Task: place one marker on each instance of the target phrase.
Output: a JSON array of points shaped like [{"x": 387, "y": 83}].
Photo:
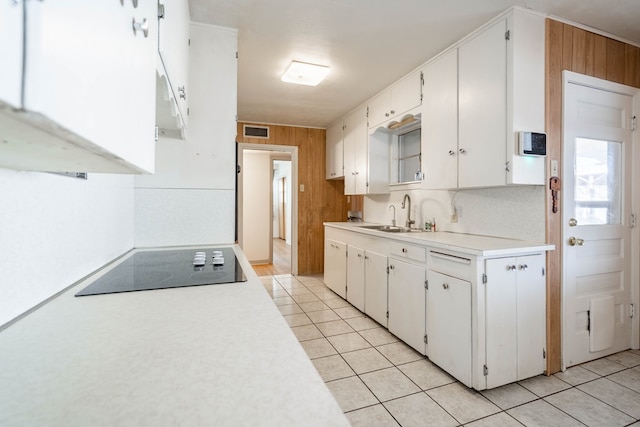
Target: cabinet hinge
[
  {"x": 634, "y": 220},
  {"x": 160, "y": 11},
  {"x": 634, "y": 123},
  {"x": 189, "y": 112},
  {"x": 543, "y": 272},
  {"x": 367, "y": 112},
  {"x": 484, "y": 279},
  {"x": 422, "y": 78},
  {"x": 507, "y": 35},
  {"x": 632, "y": 310},
  {"x": 485, "y": 370},
  {"x": 236, "y": 54},
  {"x": 589, "y": 321},
  {"x": 387, "y": 270},
  {"x": 157, "y": 133},
  {"x": 387, "y": 314},
  {"x": 544, "y": 353},
  {"x": 506, "y": 167},
  {"x": 426, "y": 339}
]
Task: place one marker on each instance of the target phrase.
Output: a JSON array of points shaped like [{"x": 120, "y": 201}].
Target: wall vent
[{"x": 251, "y": 131}]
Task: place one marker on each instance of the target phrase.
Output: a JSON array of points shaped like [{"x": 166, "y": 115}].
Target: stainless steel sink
[{"x": 389, "y": 228}]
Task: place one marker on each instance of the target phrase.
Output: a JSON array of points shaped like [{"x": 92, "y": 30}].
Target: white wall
[
  {"x": 282, "y": 169},
  {"x": 55, "y": 230},
  {"x": 510, "y": 212},
  {"x": 191, "y": 198},
  {"x": 256, "y": 205}
]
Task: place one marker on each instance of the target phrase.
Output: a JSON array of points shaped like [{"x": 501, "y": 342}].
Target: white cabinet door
[
  {"x": 11, "y": 53},
  {"x": 501, "y": 321},
  {"x": 483, "y": 109},
  {"x": 335, "y": 266},
  {"x": 173, "y": 47},
  {"x": 334, "y": 151},
  {"x": 531, "y": 317},
  {"x": 355, "y": 152},
  {"x": 449, "y": 325},
  {"x": 440, "y": 123},
  {"x": 91, "y": 74},
  {"x": 355, "y": 276},
  {"x": 407, "y": 303},
  {"x": 406, "y": 94},
  {"x": 375, "y": 293},
  {"x": 379, "y": 107}
]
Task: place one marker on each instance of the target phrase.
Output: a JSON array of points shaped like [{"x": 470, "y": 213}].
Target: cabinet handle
[
  {"x": 404, "y": 250},
  {"x": 393, "y": 111},
  {"x": 141, "y": 26},
  {"x": 366, "y": 257},
  {"x": 359, "y": 255},
  {"x": 391, "y": 266},
  {"x": 452, "y": 153},
  {"x": 523, "y": 267},
  {"x": 445, "y": 286},
  {"x": 386, "y": 114},
  {"x": 462, "y": 151},
  {"x": 182, "y": 93},
  {"x": 511, "y": 267}
]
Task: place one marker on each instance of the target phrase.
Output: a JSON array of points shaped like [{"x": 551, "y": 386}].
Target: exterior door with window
[{"x": 596, "y": 212}]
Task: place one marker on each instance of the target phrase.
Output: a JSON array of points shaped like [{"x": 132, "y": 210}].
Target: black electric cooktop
[{"x": 160, "y": 269}]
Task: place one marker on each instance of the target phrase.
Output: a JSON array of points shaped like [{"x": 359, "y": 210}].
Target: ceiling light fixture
[{"x": 303, "y": 73}]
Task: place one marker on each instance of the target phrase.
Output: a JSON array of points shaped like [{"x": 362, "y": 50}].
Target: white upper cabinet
[
  {"x": 403, "y": 96},
  {"x": 89, "y": 91},
  {"x": 482, "y": 94},
  {"x": 355, "y": 152},
  {"x": 440, "y": 122},
  {"x": 477, "y": 98},
  {"x": 334, "y": 151},
  {"x": 173, "y": 67},
  {"x": 11, "y": 53}
]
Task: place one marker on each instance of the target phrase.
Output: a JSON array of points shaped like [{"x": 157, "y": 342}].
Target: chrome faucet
[
  {"x": 410, "y": 222},
  {"x": 393, "y": 221}
]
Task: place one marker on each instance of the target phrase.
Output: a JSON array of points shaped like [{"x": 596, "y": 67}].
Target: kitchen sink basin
[{"x": 390, "y": 228}]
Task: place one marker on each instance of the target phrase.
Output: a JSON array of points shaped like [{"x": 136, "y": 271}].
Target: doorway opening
[{"x": 267, "y": 207}]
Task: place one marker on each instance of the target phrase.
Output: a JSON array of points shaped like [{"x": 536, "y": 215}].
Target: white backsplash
[
  {"x": 510, "y": 212},
  {"x": 54, "y": 230}
]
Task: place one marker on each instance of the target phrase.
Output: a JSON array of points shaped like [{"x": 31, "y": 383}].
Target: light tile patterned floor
[{"x": 380, "y": 381}]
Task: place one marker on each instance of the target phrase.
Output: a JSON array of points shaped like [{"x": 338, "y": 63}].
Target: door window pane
[
  {"x": 409, "y": 156},
  {"x": 598, "y": 189}
]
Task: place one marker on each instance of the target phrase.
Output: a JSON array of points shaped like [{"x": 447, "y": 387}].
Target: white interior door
[{"x": 596, "y": 200}]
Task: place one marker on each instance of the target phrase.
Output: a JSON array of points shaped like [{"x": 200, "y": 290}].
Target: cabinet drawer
[
  {"x": 405, "y": 250},
  {"x": 449, "y": 264}
]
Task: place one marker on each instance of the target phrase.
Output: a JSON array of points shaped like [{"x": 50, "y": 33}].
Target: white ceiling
[{"x": 368, "y": 44}]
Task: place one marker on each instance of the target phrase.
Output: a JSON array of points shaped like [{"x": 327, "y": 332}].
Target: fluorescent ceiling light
[{"x": 303, "y": 73}]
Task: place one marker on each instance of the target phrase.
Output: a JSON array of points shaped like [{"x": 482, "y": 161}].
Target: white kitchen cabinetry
[
  {"x": 375, "y": 295},
  {"x": 335, "y": 266},
  {"x": 407, "y": 302},
  {"x": 334, "y": 151},
  {"x": 397, "y": 100},
  {"x": 89, "y": 91},
  {"x": 440, "y": 122},
  {"x": 11, "y": 54},
  {"x": 172, "y": 68},
  {"x": 356, "y": 276},
  {"x": 449, "y": 325},
  {"x": 366, "y": 161},
  {"x": 498, "y": 74},
  {"x": 515, "y": 318}
]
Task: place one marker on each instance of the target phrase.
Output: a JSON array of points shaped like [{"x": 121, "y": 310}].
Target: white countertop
[
  {"x": 196, "y": 356},
  {"x": 464, "y": 243}
]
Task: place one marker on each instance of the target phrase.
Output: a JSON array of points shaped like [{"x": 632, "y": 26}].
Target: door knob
[
  {"x": 573, "y": 241},
  {"x": 573, "y": 222}
]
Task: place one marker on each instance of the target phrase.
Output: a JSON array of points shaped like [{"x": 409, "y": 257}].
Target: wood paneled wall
[
  {"x": 321, "y": 200},
  {"x": 573, "y": 49}
]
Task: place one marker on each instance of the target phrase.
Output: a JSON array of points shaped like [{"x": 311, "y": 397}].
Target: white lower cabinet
[
  {"x": 355, "y": 276},
  {"x": 449, "y": 325},
  {"x": 407, "y": 302},
  {"x": 375, "y": 295},
  {"x": 479, "y": 317},
  {"x": 335, "y": 267},
  {"x": 515, "y": 319}
]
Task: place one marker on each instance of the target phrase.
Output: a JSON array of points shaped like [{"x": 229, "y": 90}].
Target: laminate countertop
[
  {"x": 471, "y": 244},
  {"x": 196, "y": 356}
]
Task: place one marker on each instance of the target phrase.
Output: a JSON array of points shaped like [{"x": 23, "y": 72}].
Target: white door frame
[
  {"x": 596, "y": 83},
  {"x": 294, "y": 194}
]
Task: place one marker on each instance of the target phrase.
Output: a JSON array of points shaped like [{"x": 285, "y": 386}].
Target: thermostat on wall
[{"x": 533, "y": 144}]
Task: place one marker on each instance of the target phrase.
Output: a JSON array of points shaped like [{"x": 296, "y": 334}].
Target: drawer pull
[
  {"x": 511, "y": 267},
  {"x": 445, "y": 286},
  {"x": 523, "y": 267}
]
